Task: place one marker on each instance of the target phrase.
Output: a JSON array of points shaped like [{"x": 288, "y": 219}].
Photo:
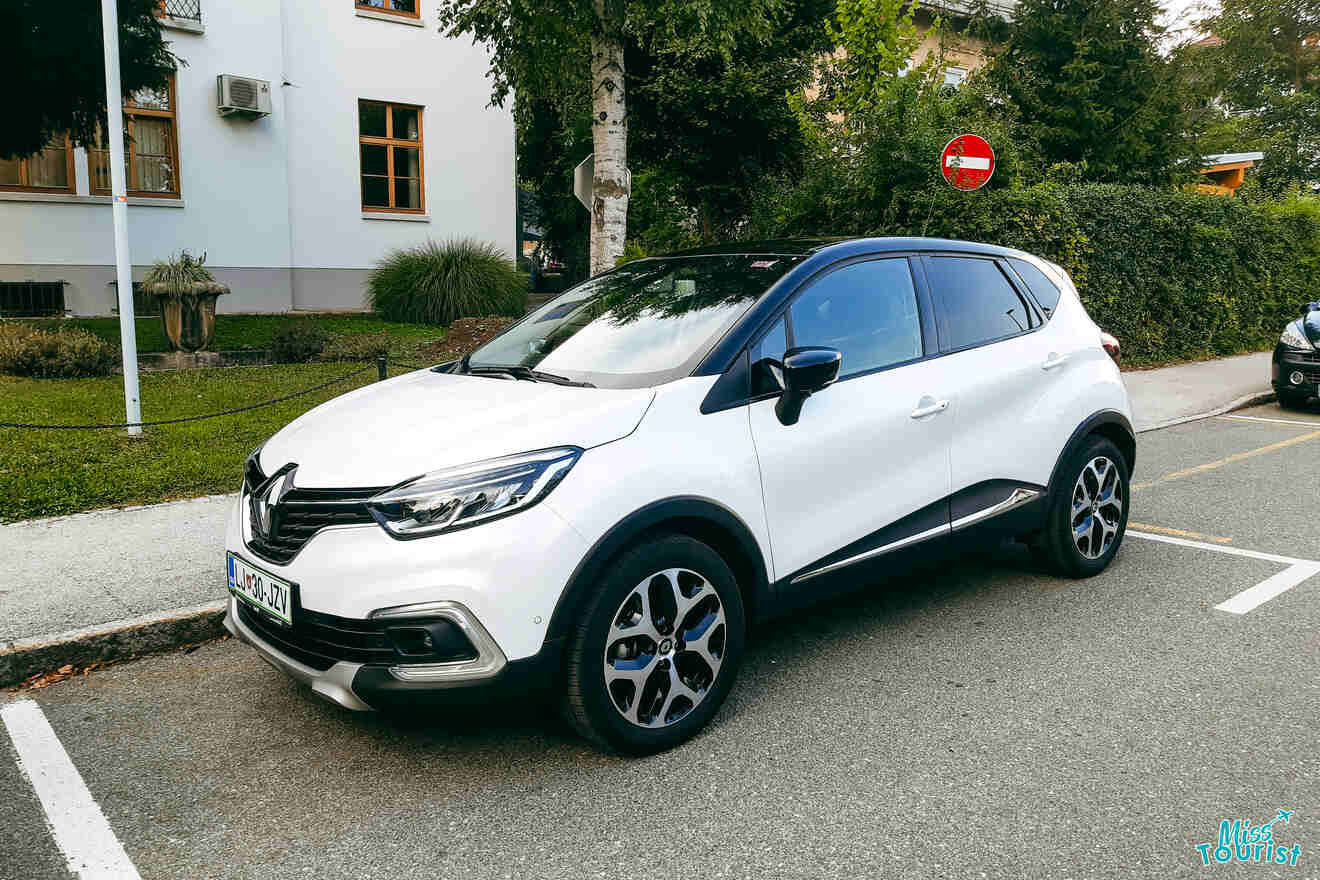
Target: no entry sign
[{"x": 968, "y": 162}]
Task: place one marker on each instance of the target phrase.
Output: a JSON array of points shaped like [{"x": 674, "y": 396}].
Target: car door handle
[
  {"x": 1054, "y": 360},
  {"x": 938, "y": 406}
]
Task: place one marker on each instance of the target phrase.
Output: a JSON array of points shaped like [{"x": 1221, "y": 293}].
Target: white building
[{"x": 291, "y": 208}]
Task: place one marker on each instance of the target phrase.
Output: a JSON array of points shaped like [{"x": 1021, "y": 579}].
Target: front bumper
[
  {"x": 509, "y": 573},
  {"x": 365, "y": 686},
  {"x": 1289, "y": 364}
]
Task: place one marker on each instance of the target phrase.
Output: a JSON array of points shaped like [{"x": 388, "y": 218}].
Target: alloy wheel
[
  {"x": 1097, "y": 507},
  {"x": 664, "y": 648}
]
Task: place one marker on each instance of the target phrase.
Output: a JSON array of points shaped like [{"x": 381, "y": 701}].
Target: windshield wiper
[{"x": 527, "y": 373}]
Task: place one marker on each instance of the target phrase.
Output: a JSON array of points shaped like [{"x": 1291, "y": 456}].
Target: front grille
[
  {"x": 1312, "y": 377},
  {"x": 301, "y": 513},
  {"x": 1306, "y": 357},
  {"x": 321, "y": 640}
]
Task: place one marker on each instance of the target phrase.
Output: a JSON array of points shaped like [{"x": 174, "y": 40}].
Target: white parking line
[
  {"x": 1274, "y": 421},
  {"x": 79, "y": 827},
  {"x": 1269, "y": 588},
  {"x": 1297, "y": 571}
]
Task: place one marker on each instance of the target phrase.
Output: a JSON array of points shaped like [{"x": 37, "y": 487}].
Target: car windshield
[{"x": 645, "y": 323}]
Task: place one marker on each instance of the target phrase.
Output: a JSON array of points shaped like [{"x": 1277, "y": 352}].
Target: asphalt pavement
[{"x": 979, "y": 719}]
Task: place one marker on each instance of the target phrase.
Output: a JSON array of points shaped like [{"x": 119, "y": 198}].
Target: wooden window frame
[
  {"x": 23, "y": 173},
  {"x": 389, "y": 142},
  {"x": 131, "y": 113},
  {"x": 358, "y": 4}
]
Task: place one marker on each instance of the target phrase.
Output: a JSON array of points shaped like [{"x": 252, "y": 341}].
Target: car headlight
[
  {"x": 458, "y": 497},
  {"x": 1293, "y": 337}
]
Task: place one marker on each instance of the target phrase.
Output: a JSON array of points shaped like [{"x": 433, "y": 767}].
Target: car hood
[{"x": 398, "y": 429}]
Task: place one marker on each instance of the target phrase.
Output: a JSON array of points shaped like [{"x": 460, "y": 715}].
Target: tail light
[{"x": 1111, "y": 346}]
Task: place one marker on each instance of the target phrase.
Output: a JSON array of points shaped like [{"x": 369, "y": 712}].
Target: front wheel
[
  {"x": 1088, "y": 513},
  {"x": 656, "y": 650},
  {"x": 1291, "y": 400}
]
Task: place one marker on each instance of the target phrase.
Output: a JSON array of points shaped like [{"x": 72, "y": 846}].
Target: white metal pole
[{"x": 114, "y": 101}]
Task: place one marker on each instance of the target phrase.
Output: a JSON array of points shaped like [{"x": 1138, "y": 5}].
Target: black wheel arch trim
[
  {"x": 701, "y": 518},
  {"x": 1108, "y": 422}
]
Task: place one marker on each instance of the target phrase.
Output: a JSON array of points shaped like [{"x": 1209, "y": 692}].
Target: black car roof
[{"x": 802, "y": 247}]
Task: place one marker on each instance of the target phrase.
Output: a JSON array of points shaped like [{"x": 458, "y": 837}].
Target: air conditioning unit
[{"x": 242, "y": 96}]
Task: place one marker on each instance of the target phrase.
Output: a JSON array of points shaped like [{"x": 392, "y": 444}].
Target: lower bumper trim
[{"x": 334, "y": 684}]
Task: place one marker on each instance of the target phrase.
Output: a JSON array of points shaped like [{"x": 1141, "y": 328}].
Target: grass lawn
[
  {"x": 254, "y": 331},
  {"x": 48, "y": 473}
]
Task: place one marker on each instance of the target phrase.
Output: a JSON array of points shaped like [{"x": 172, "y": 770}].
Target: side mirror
[{"x": 806, "y": 371}]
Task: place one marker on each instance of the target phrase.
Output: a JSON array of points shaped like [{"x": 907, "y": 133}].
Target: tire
[
  {"x": 661, "y": 688},
  {"x": 1290, "y": 400},
  {"x": 1086, "y": 555}
]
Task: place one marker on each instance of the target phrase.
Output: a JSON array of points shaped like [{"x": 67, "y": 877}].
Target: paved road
[{"x": 982, "y": 720}]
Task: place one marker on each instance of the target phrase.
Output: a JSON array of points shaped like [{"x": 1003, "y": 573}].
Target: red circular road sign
[{"x": 968, "y": 162}]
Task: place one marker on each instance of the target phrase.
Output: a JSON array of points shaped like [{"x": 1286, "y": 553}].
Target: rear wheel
[
  {"x": 655, "y": 652},
  {"x": 1088, "y": 513}
]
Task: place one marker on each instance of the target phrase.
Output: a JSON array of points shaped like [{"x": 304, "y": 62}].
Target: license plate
[{"x": 259, "y": 588}]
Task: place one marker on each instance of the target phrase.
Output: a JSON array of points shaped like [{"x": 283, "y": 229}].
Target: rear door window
[
  {"x": 1042, "y": 288},
  {"x": 976, "y": 302}
]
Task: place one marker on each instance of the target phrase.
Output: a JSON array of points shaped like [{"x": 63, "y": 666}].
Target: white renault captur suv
[{"x": 596, "y": 504}]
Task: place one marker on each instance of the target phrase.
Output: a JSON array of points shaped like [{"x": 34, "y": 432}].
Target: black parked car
[{"x": 1296, "y": 368}]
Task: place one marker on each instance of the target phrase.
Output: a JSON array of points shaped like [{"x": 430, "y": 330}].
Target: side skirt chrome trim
[
  {"x": 871, "y": 554},
  {"x": 1016, "y": 498}
]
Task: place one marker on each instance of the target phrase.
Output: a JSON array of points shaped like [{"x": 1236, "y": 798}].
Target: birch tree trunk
[{"x": 609, "y": 129}]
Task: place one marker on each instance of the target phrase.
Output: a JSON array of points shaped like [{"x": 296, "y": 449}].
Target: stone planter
[{"x": 188, "y": 316}]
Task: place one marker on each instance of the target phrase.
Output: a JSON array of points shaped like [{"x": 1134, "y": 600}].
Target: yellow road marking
[
  {"x": 1215, "y": 465},
  {"x": 1178, "y": 533}
]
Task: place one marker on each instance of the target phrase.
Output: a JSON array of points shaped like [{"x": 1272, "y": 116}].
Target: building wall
[
  {"x": 468, "y": 148},
  {"x": 961, "y": 49},
  {"x": 275, "y": 202}
]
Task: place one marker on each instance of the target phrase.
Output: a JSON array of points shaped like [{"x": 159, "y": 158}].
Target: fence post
[{"x": 380, "y": 367}]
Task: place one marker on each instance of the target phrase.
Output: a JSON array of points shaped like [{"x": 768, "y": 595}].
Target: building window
[
  {"x": 390, "y": 151},
  {"x": 406, "y": 8},
  {"x": 49, "y": 170},
  {"x": 151, "y": 147}
]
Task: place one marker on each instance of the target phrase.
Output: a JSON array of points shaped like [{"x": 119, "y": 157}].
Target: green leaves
[
  {"x": 1092, "y": 88},
  {"x": 54, "y": 63}
]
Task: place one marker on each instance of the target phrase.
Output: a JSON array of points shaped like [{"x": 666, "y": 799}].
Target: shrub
[
  {"x": 437, "y": 283},
  {"x": 358, "y": 346},
  {"x": 180, "y": 276},
  {"x": 60, "y": 353},
  {"x": 297, "y": 342}
]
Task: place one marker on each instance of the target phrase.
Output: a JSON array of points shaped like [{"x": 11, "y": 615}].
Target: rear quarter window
[{"x": 1042, "y": 288}]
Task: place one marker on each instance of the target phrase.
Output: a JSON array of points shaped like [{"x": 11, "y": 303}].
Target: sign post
[
  {"x": 114, "y": 105},
  {"x": 967, "y": 162}
]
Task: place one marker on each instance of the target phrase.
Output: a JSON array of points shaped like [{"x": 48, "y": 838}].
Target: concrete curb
[
  {"x": 117, "y": 640},
  {"x": 1240, "y": 403},
  {"x": 102, "y": 511}
]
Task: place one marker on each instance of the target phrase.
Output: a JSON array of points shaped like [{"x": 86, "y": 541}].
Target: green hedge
[{"x": 1175, "y": 275}]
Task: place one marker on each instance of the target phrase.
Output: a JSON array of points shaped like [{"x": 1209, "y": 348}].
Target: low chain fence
[{"x": 381, "y": 365}]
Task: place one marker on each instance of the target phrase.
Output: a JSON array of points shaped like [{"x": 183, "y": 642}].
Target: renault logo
[{"x": 265, "y": 501}]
